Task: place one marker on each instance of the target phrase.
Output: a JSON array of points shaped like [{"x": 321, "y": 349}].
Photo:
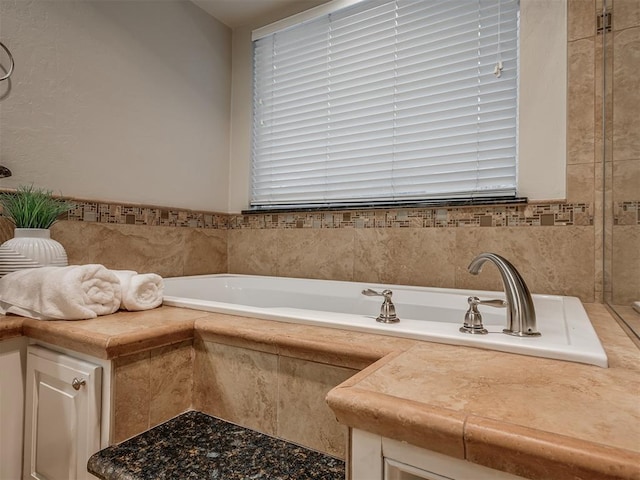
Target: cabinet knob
[{"x": 78, "y": 382}]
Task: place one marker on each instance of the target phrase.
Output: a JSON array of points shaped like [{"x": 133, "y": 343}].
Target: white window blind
[{"x": 388, "y": 101}]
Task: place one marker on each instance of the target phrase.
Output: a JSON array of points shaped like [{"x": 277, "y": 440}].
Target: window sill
[{"x": 453, "y": 202}]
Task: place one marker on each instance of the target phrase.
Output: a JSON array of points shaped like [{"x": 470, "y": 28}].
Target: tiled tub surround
[
  {"x": 577, "y": 421},
  {"x": 552, "y": 244}
]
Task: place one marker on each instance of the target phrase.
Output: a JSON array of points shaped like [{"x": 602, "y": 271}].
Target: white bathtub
[{"x": 431, "y": 314}]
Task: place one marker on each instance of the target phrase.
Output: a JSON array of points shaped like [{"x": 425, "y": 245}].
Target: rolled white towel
[
  {"x": 140, "y": 291},
  {"x": 124, "y": 277},
  {"x": 76, "y": 292}
]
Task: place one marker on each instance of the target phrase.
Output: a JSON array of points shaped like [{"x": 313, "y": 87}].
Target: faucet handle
[
  {"x": 492, "y": 303},
  {"x": 369, "y": 292},
  {"x": 388, "y": 309}
]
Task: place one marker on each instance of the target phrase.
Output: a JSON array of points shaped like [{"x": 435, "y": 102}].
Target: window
[{"x": 387, "y": 102}]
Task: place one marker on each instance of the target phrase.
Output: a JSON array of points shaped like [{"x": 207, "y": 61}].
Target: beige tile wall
[
  {"x": 557, "y": 260},
  {"x": 149, "y": 388},
  {"x": 271, "y": 393},
  {"x": 625, "y": 267},
  {"x": 165, "y": 250},
  {"x": 237, "y": 384},
  {"x": 275, "y": 394},
  {"x": 624, "y": 171}
]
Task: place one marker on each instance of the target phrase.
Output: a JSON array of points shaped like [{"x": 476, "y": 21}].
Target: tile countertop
[
  {"x": 529, "y": 416},
  {"x": 108, "y": 336},
  {"x": 547, "y": 418}
]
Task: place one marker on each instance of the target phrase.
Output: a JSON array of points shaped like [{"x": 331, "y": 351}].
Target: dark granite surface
[{"x": 195, "y": 445}]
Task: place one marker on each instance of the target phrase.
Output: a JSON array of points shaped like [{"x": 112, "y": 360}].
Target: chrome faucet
[{"x": 521, "y": 315}]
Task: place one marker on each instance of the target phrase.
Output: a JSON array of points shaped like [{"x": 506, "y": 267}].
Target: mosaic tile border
[
  {"x": 544, "y": 214},
  {"x": 552, "y": 214},
  {"x": 626, "y": 213},
  {"x": 114, "y": 213},
  {"x": 141, "y": 215}
]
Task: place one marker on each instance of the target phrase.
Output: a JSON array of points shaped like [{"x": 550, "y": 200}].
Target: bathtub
[{"x": 430, "y": 314}]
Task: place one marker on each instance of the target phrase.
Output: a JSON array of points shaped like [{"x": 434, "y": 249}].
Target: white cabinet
[
  {"x": 12, "y": 372},
  {"x": 378, "y": 458},
  {"x": 62, "y": 415}
]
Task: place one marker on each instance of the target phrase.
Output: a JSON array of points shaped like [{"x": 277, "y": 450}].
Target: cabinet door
[
  {"x": 378, "y": 458},
  {"x": 408, "y": 462},
  {"x": 62, "y": 415},
  {"x": 399, "y": 471},
  {"x": 12, "y": 367}
]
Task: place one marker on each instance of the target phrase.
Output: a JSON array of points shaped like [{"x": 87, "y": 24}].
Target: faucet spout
[{"x": 521, "y": 315}]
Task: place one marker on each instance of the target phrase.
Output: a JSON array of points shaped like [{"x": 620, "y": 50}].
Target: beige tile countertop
[
  {"x": 538, "y": 418},
  {"x": 534, "y": 417},
  {"x": 109, "y": 336}
]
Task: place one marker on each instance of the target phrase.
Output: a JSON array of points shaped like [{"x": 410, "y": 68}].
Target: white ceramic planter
[{"x": 29, "y": 248}]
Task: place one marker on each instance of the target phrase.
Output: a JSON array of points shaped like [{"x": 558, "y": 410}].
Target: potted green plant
[{"x": 33, "y": 211}]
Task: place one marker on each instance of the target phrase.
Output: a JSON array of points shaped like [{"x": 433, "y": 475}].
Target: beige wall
[{"x": 117, "y": 100}]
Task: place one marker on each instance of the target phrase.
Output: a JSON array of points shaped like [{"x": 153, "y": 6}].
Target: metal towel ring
[{"x": 11, "y": 62}]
